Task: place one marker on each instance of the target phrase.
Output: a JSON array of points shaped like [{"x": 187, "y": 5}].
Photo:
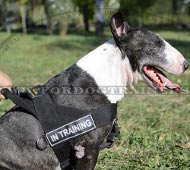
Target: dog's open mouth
[{"x": 159, "y": 79}]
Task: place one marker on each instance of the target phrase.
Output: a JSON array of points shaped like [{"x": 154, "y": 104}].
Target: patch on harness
[{"x": 71, "y": 130}]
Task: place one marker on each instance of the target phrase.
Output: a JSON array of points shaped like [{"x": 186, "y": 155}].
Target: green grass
[{"x": 154, "y": 128}]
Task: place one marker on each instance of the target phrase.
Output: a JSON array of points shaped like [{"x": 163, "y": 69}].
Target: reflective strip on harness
[{"x": 71, "y": 130}]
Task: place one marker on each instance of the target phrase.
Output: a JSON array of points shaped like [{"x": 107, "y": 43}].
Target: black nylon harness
[{"x": 61, "y": 123}]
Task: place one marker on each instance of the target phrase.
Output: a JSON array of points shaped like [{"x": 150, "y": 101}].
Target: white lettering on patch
[{"x": 71, "y": 130}]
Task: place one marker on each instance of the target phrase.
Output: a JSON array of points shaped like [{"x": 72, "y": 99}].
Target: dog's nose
[{"x": 186, "y": 65}]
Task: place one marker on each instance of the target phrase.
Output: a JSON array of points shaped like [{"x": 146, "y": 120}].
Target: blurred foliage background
[{"x": 63, "y": 16}]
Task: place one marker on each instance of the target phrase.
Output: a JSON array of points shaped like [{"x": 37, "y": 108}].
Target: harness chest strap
[{"x": 62, "y": 123}]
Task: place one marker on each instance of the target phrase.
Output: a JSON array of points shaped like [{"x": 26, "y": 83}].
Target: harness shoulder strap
[
  {"x": 105, "y": 115},
  {"x": 24, "y": 103}
]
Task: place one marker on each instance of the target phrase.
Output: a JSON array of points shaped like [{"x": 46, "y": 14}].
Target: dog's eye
[{"x": 159, "y": 43}]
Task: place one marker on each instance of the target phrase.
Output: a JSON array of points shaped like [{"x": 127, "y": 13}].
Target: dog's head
[{"x": 147, "y": 52}]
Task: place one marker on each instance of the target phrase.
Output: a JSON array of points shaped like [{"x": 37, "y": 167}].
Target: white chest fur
[{"x": 111, "y": 73}]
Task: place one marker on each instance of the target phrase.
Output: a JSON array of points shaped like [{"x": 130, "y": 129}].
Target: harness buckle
[
  {"x": 109, "y": 143},
  {"x": 15, "y": 91}
]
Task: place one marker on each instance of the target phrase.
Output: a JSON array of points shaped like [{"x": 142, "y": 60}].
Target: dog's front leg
[
  {"x": 88, "y": 161},
  {"x": 87, "y": 148}
]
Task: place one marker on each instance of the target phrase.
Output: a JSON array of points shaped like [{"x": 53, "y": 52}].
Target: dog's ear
[{"x": 118, "y": 26}]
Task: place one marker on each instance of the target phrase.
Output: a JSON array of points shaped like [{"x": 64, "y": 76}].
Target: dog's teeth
[{"x": 158, "y": 77}]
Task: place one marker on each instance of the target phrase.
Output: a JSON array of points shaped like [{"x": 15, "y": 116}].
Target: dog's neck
[{"x": 111, "y": 73}]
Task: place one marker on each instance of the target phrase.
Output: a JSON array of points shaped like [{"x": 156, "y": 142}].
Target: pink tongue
[{"x": 169, "y": 84}]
